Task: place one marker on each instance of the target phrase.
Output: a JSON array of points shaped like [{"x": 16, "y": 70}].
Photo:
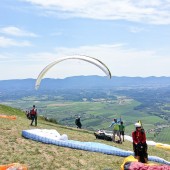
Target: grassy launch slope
[{"x": 36, "y": 155}]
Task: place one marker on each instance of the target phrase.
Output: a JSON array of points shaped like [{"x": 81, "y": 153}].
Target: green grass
[{"x": 39, "y": 156}]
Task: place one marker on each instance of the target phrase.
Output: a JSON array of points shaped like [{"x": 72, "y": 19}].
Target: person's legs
[
  {"x": 32, "y": 119},
  {"x": 78, "y": 125},
  {"x": 141, "y": 152},
  {"x": 123, "y": 136},
  {"x": 35, "y": 120},
  {"x": 138, "y": 158},
  {"x": 113, "y": 137},
  {"x": 136, "y": 152},
  {"x": 146, "y": 160},
  {"x": 118, "y": 134},
  {"x": 145, "y": 148}
]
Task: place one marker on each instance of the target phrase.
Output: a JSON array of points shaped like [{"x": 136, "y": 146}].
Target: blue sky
[{"x": 131, "y": 37}]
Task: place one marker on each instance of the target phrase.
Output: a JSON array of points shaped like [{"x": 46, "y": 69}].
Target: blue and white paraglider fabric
[{"x": 53, "y": 137}]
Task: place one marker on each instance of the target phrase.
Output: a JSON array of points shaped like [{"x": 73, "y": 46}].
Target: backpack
[{"x": 33, "y": 112}]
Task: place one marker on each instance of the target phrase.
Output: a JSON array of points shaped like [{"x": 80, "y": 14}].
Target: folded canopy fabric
[
  {"x": 46, "y": 136},
  {"x": 8, "y": 117},
  {"x": 13, "y": 166},
  {"x": 130, "y": 163}
]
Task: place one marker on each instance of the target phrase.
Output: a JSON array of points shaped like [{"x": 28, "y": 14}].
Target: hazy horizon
[{"x": 90, "y": 76}]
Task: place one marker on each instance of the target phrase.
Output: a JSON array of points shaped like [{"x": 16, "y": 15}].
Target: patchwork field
[{"x": 97, "y": 114}]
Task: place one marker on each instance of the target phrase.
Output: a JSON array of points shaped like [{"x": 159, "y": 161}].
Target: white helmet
[{"x": 137, "y": 125}]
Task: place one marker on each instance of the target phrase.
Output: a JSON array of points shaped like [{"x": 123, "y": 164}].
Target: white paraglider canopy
[{"x": 89, "y": 59}]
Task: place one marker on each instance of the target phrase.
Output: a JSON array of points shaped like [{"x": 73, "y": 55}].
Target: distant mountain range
[{"x": 86, "y": 82}]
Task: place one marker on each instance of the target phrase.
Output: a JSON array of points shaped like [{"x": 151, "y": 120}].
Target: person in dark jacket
[
  {"x": 78, "y": 122},
  {"x": 33, "y": 113},
  {"x": 139, "y": 144}
]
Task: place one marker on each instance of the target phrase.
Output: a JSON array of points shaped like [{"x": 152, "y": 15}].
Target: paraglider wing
[
  {"x": 91, "y": 60},
  {"x": 107, "y": 69}
]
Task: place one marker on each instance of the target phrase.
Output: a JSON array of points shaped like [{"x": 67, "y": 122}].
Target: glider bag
[{"x": 13, "y": 166}]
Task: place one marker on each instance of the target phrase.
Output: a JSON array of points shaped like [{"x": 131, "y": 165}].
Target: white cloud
[
  {"x": 16, "y": 32},
  {"x": 152, "y": 11},
  {"x": 30, "y": 58},
  {"x": 7, "y": 42},
  {"x": 3, "y": 57},
  {"x": 121, "y": 61},
  {"x": 39, "y": 58}
]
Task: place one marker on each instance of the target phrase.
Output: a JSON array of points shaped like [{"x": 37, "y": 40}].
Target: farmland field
[{"x": 96, "y": 114}]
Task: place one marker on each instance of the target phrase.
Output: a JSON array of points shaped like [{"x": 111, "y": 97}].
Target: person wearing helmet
[{"x": 139, "y": 144}]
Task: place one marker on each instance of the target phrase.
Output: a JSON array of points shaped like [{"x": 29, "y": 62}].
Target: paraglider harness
[
  {"x": 105, "y": 135},
  {"x": 29, "y": 115},
  {"x": 141, "y": 149},
  {"x": 101, "y": 134}
]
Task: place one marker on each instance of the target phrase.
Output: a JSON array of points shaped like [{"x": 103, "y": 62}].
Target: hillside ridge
[{"x": 86, "y": 82}]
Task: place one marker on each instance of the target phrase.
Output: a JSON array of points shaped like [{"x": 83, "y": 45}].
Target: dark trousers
[
  {"x": 34, "y": 118},
  {"x": 79, "y": 125},
  {"x": 141, "y": 150}
]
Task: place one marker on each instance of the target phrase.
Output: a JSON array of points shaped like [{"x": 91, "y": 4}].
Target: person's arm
[
  {"x": 143, "y": 138},
  {"x": 112, "y": 124},
  {"x": 119, "y": 120}
]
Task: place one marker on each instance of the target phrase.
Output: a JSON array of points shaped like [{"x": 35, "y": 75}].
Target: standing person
[
  {"x": 139, "y": 144},
  {"x": 122, "y": 130},
  {"x": 78, "y": 122},
  {"x": 116, "y": 131},
  {"x": 33, "y": 112}
]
